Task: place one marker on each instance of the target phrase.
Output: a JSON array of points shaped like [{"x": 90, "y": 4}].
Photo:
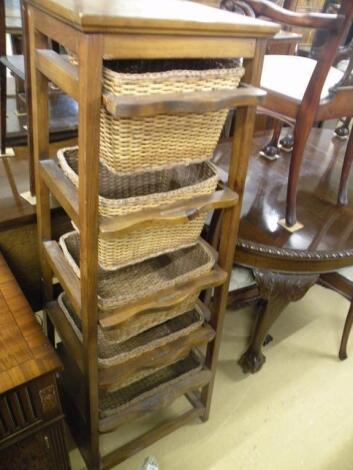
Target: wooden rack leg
[
  {"x": 90, "y": 66},
  {"x": 30, "y": 143},
  {"x": 41, "y": 151},
  {"x": 242, "y": 141}
]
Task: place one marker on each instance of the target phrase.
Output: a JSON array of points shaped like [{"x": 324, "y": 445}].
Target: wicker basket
[
  {"x": 146, "y": 320},
  {"x": 110, "y": 404},
  {"x": 121, "y": 195},
  {"x": 135, "y": 144},
  {"x": 119, "y": 288},
  {"x": 111, "y": 353}
]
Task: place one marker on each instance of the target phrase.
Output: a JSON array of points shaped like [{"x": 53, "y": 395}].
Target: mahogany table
[{"x": 287, "y": 264}]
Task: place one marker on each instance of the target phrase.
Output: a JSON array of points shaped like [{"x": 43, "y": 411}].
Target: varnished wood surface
[
  {"x": 326, "y": 241},
  {"x": 144, "y": 30},
  {"x": 181, "y": 103},
  {"x": 25, "y": 353},
  {"x": 146, "y": 16}
]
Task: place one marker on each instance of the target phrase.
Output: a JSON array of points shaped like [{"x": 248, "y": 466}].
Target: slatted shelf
[
  {"x": 64, "y": 273},
  {"x": 127, "y": 106},
  {"x": 59, "y": 70}
]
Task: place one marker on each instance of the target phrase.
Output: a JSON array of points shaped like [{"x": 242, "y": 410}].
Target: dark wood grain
[
  {"x": 283, "y": 15},
  {"x": 25, "y": 353},
  {"x": 181, "y": 103},
  {"x": 326, "y": 241}
]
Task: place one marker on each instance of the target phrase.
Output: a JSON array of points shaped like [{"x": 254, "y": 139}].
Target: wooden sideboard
[{"x": 31, "y": 418}]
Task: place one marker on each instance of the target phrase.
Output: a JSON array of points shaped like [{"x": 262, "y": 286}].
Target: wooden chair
[
  {"x": 342, "y": 283},
  {"x": 344, "y": 62},
  {"x": 318, "y": 93}
]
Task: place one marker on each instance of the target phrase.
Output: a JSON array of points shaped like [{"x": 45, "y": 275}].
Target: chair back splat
[{"x": 307, "y": 111}]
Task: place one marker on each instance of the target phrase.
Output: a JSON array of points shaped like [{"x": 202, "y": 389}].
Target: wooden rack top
[
  {"x": 25, "y": 352},
  {"x": 146, "y": 16}
]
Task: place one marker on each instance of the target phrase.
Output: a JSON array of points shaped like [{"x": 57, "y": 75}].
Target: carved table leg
[{"x": 277, "y": 290}]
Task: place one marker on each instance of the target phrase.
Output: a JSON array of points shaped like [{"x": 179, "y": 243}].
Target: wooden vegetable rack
[{"x": 93, "y": 31}]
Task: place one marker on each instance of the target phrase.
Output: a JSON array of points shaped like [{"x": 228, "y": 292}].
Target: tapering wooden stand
[{"x": 126, "y": 30}]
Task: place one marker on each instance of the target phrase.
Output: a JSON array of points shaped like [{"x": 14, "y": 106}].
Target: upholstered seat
[
  {"x": 289, "y": 75},
  {"x": 347, "y": 273},
  {"x": 241, "y": 278}
]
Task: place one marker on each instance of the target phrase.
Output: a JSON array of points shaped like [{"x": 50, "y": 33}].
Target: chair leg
[
  {"x": 346, "y": 332},
  {"x": 301, "y": 133},
  {"x": 286, "y": 144},
  {"x": 346, "y": 169},
  {"x": 270, "y": 150},
  {"x": 342, "y": 131}
]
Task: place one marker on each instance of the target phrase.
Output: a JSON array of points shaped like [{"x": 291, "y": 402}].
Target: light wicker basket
[
  {"x": 111, "y": 404},
  {"x": 119, "y": 288},
  {"x": 135, "y": 144},
  {"x": 121, "y": 195},
  {"x": 112, "y": 353}
]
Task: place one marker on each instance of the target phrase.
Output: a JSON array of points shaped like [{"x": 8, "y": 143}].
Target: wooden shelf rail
[
  {"x": 59, "y": 70},
  {"x": 127, "y": 106},
  {"x": 182, "y": 211}
]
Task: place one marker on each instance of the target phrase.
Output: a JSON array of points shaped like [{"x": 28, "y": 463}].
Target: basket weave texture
[
  {"x": 119, "y": 288},
  {"x": 121, "y": 195},
  {"x": 112, "y": 353},
  {"x": 111, "y": 403},
  {"x": 135, "y": 144}
]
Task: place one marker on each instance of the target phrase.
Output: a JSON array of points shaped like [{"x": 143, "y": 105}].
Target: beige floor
[{"x": 297, "y": 413}]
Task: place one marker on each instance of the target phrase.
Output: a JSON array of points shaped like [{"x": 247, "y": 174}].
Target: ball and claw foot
[
  {"x": 342, "y": 132},
  {"x": 286, "y": 144},
  {"x": 252, "y": 361},
  {"x": 270, "y": 152}
]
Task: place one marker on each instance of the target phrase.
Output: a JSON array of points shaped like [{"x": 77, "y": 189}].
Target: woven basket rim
[
  {"x": 138, "y": 351},
  {"x": 198, "y": 365},
  {"x": 73, "y": 176},
  {"x": 173, "y": 74},
  {"x": 107, "y": 304},
  {"x": 211, "y": 253}
]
